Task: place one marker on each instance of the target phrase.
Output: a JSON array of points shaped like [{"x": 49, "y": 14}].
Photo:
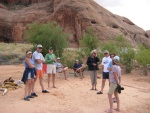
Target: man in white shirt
[
  {"x": 105, "y": 62},
  {"x": 38, "y": 59}
]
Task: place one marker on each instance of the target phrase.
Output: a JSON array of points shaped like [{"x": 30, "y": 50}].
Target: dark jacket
[{"x": 90, "y": 62}]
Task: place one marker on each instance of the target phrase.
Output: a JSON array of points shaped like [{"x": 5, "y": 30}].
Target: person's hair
[
  {"x": 115, "y": 62},
  {"x": 27, "y": 52},
  {"x": 112, "y": 54},
  {"x": 94, "y": 51}
]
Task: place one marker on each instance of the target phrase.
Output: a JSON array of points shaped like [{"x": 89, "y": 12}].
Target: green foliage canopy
[{"x": 48, "y": 35}]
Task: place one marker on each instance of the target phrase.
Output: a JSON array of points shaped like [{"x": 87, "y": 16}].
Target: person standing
[
  {"x": 92, "y": 63},
  {"x": 28, "y": 75},
  {"x": 114, "y": 79},
  {"x": 105, "y": 75},
  {"x": 50, "y": 59},
  {"x": 38, "y": 60}
]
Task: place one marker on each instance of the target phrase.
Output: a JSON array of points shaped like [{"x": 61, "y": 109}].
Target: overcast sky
[{"x": 138, "y": 11}]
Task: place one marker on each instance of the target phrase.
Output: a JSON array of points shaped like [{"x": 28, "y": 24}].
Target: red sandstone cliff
[{"x": 73, "y": 15}]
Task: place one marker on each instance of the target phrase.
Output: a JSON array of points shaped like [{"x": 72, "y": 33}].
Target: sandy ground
[{"x": 74, "y": 95}]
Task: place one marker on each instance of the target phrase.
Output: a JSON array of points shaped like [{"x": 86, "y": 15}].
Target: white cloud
[{"x": 136, "y": 10}]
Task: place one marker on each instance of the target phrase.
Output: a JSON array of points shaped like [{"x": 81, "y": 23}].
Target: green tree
[
  {"x": 49, "y": 35},
  {"x": 89, "y": 41},
  {"x": 121, "y": 47},
  {"x": 142, "y": 56}
]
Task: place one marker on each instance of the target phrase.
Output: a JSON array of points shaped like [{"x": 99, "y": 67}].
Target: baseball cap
[
  {"x": 50, "y": 48},
  {"x": 58, "y": 58},
  {"x": 117, "y": 58},
  {"x": 106, "y": 51},
  {"x": 39, "y": 46}
]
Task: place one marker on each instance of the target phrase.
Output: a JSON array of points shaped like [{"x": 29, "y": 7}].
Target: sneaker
[
  {"x": 26, "y": 99},
  {"x": 45, "y": 91},
  {"x": 99, "y": 92},
  {"x": 34, "y": 95},
  {"x": 30, "y": 96}
]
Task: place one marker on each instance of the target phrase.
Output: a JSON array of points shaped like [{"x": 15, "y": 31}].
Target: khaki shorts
[
  {"x": 51, "y": 68},
  {"x": 112, "y": 88}
]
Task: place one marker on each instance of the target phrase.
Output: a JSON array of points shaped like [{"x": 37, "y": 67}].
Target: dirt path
[{"x": 74, "y": 95}]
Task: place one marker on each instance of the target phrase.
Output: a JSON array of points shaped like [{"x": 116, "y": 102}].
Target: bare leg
[
  {"x": 80, "y": 72},
  {"x": 110, "y": 103},
  {"x": 117, "y": 100},
  {"x": 65, "y": 74},
  {"x": 53, "y": 77},
  {"x": 29, "y": 87},
  {"x": 33, "y": 87},
  {"x": 103, "y": 84},
  {"x": 41, "y": 82},
  {"x": 26, "y": 89},
  {"x": 49, "y": 78}
]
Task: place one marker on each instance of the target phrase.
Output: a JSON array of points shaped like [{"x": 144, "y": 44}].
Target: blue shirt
[
  {"x": 77, "y": 66},
  {"x": 26, "y": 65},
  {"x": 110, "y": 65}
]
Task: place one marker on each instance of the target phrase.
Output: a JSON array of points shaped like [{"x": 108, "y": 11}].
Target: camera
[{"x": 119, "y": 88}]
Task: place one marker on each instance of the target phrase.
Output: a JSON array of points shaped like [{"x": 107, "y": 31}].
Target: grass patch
[{"x": 11, "y": 53}]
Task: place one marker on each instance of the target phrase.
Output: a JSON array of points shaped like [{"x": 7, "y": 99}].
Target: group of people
[
  {"x": 111, "y": 71},
  {"x": 33, "y": 70}
]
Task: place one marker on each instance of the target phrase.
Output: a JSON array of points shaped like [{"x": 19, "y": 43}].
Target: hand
[
  {"x": 94, "y": 64},
  {"x": 53, "y": 59}
]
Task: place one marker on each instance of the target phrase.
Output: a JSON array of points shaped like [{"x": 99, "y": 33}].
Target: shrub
[
  {"x": 142, "y": 56},
  {"x": 49, "y": 35},
  {"x": 89, "y": 41},
  {"x": 122, "y": 48}
]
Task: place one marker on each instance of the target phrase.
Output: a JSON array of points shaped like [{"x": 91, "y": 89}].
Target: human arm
[
  {"x": 115, "y": 73},
  {"x": 49, "y": 59},
  {"x": 28, "y": 62},
  {"x": 110, "y": 66}
]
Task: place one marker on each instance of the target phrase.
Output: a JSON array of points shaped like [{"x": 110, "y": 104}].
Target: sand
[{"x": 74, "y": 95}]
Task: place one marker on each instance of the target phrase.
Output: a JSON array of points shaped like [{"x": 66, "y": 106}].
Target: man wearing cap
[
  {"x": 78, "y": 68},
  {"x": 105, "y": 75},
  {"x": 60, "y": 68},
  {"x": 51, "y": 67},
  {"x": 38, "y": 59}
]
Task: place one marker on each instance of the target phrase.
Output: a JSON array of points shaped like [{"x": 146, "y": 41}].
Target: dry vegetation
[{"x": 12, "y": 53}]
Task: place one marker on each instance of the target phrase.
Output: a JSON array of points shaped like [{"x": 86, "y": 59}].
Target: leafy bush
[
  {"x": 142, "y": 56},
  {"x": 49, "y": 35},
  {"x": 122, "y": 48},
  {"x": 89, "y": 41}
]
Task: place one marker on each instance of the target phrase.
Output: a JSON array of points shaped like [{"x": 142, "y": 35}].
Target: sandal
[{"x": 99, "y": 92}]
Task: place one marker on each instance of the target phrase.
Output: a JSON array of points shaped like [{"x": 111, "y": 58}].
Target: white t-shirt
[
  {"x": 35, "y": 57},
  {"x": 105, "y": 63}
]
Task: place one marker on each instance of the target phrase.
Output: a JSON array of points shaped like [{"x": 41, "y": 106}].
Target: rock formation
[{"x": 75, "y": 16}]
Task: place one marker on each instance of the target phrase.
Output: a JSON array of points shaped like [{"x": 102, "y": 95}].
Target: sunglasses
[
  {"x": 40, "y": 47},
  {"x": 105, "y": 53}
]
